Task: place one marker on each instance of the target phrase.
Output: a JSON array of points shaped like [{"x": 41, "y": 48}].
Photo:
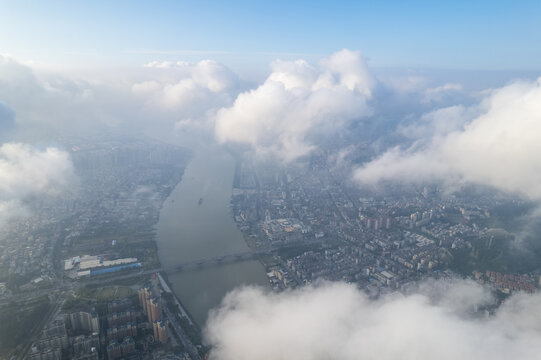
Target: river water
[{"x": 190, "y": 230}]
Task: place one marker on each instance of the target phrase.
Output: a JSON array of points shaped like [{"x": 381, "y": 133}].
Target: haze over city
[{"x": 245, "y": 180}]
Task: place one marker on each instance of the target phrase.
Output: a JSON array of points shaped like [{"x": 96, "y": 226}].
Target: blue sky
[{"x": 503, "y": 35}]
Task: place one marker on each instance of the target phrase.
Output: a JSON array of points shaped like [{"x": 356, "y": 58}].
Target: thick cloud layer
[
  {"x": 287, "y": 115},
  {"x": 191, "y": 92},
  {"x": 500, "y": 147},
  {"x": 128, "y": 100},
  {"x": 492, "y": 143},
  {"x": 336, "y": 321},
  {"x": 296, "y": 101},
  {"x": 55, "y": 101},
  {"x": 26, "y": 171}
]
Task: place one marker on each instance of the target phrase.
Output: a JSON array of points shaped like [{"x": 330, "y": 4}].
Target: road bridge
[{"x": 217, "y": 260}]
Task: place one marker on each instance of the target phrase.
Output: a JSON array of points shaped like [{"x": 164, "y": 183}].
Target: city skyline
[{"x": 270, "y": 180}]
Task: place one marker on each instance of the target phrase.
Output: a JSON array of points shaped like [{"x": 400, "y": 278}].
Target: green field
[{"x": 108, "y": 293}]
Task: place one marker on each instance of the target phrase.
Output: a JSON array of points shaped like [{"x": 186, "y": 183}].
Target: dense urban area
[
  {"x": 321, "y": 226},
  {"x": 81, "y": 278}
]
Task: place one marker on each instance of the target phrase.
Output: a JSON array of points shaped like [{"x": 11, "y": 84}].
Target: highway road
[
  {"x": 36, "y": 333},
  {"x": 188, "y": 346}
]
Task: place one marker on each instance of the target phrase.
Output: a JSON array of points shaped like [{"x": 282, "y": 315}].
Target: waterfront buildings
[{"x": 160, "y": 331}]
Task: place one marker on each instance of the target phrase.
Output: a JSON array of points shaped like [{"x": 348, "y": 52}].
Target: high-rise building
[
  {"x": 154, "y": 309},
  {"x": 54, "y": 335},
  {"x": 160, "y": 331},
  {"x": 85, "y": 321},
  {"x": 85, "y": 344},
  {"x": 368, "y": 223},
  {"x": 113, "y": 350},
  {"x": 60, "y": 341},
  {"x": 120, "y": 332},
  {"x": 120, "y": 305},
  {"x": 144, "y": 294},
  {"x": 127, "y": 346},
  {"x": 119, "y": 318}
]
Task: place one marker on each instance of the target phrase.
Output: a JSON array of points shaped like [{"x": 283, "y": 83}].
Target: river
[{"x": 189, "y": 229}]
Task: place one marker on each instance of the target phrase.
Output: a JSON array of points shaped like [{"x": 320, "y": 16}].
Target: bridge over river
[{"x": 217, "y": 260}]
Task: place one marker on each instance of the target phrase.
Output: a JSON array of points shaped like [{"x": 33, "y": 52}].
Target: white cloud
[
  {"x": 146, "y": 87},
  {"x": 26, "y": 171},
  {"x": 439, "y": 122},
  {"x": 500, "y": 147},
  {"x": 166, "y": 64},
  {"x": 308, "y": 101},
  {"x": 155, "y": 96},
  {"x": 296, "y": 101},
  {"x": 214, "y": 76},
  {"x": 206, "y": 76},
  {"x": 160, "y": 64},
  {"x": 53, "y": 101},
  {"x": 437, "y": 93},
  {"x": 192, "y": 92},
  {"x": 336, "y": 321},
  {"x": 405, "y": 83}
]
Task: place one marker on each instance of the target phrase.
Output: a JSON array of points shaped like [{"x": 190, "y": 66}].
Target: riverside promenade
[{"x": 167, "y": 289}]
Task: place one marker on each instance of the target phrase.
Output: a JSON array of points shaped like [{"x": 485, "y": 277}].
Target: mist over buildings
[
  {"x": 26, "y": 171},
  {"x": 381, "y": 164},
  {"x": 421, "y": 131},
  {"x": 491, "y": 143},
  {"x": 421, "y": 126}
]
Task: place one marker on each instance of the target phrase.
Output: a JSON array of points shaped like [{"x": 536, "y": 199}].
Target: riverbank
[{"x": 182, "y": 309}]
